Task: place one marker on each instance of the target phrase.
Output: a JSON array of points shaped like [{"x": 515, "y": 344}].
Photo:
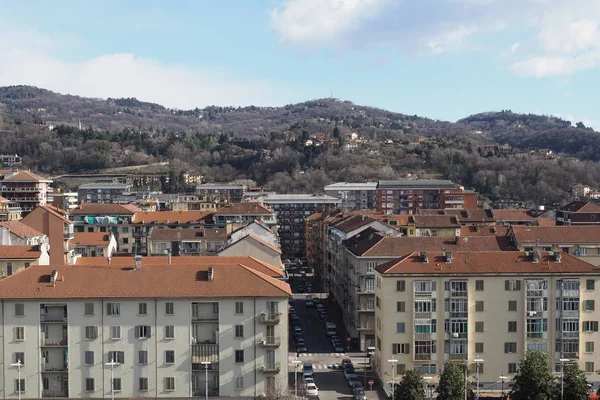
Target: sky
[{"x": 443, "y": 59}]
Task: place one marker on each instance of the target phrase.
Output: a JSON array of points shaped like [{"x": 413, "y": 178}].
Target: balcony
[
  {"x": 205, "y": 317},
  {"x": 270, "y": 368},
  {"x": 570, "y": 356},
  {"x": 50, "y": 318},
  {"x": 422, "y": 315},
  {"x": 54, "y": 368},
  {"x": 458, "y": 356},
  {"x": 205, "y": 352},
  {"x": 365, "y": 326},
  {"x": 20, "y": 189},
  {"x": 53, "y": 342},
  {"x": 459, "y": 293},
  {"x": 365, "y": 290},
  {"x": 55, "y": 394},
  {"x": 271, "y": 342},
  {"x": 138, "y": 233},
  {"x": 423, "y": 336},
  {"x": 365, "y": 308},
  {"x": 269, "y": 318},
  {"x": 422, "y": 357}
]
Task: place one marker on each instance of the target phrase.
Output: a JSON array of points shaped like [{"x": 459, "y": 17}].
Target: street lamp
[
  {"x": 206, "y": 364},
  {"x": 502, "y": 378},
  {"x": 428, "y": 390},
  {"x": 562, "y": 377},
  {"x": 18, "y": 366},
  {"x": 296, "y": 365},
  {"x": 393, "y": 362},
  {"x": 112, "y": 364},
  {"x": 477, "y": 361}
]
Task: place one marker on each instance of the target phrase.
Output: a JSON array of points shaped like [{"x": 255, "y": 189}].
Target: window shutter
[
  {"x": 121, "y": 357},
  {"x": 394, "y": 348},
  {"x": 506, "y": 285},
  {"x": 518, "y": 285},
  {"x": 149, "y": 331},
  {"x": 137, "y": 331},
  {"x": 407, "y": 348}
]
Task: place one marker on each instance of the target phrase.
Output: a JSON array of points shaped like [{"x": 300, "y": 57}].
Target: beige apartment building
[
  {"x": 151, "y": 331},
  {"x": 433, "y": 307}
]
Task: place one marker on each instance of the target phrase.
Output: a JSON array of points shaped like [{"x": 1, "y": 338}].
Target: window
[
  {"x": 479, "y": 306},
  {"x": 583, "y": 251},
  {"x": 89, "y": 358},
  {"x": 169, "y": 308},
  {"x": 169, "y": 332},
  {"x": 512, "y": 285},
  {"x": 424, "y": 286},
  {"x": 170, "y": 383},
  {"x": 239, "y": 356},
  {"x": 239, "y": 307},
  {"x": 479, "y": 347},
  {"x": 125, "y": 229},
  {"x": 512, "y": 305},
  {"x": 377, "y": 302},
  {"x": 116, "y": 356},
  {"x": 19, "y": 310},
  {"x": 89, "y": 385},
  {"x": 215, "y": 308},
  {"x": 19, "y": 333},
  {"x": 400, "y": 306},
  {"x": 113, "y": 308},
  {"x": 143, "y": 308},
  {"x": 590, "y": 326},
  {"x": 88, "y": 309},
  {"x": 239, "y": 331},
  {"x": 239, "y": 382},
  {"x": 568, "y": 325},
  {"x": 512, "y": 326},
  {"x": 589, "y": 305},
  {"x": 378, "y": 344},
  {"x": 143, "y": 385},
  {"x": 19, "y": 356},
  {"x": 479, "y": 286},
  {"x": 142, "y": 357},
  {"x": 115, "y": 332},
  {"x": 400, "y": 286},
  {"x": 371, "y": 265},
  {"x": 589, "y": 367},
  {"x": 589, "y": 347},
  {"x": 170, "y": 357},
  {"x": 400, "y": 327},
  {"x": 590, "y": 284},
  {"x": 479, "y": 326},
  {"x": 510, "y": 347},
  {"x": 116, "y": 384},
  {"x": 143, "y": 331},
  {"x": 91, "y": 332},
  {"x": 20, "y": 385},
  {"x": 401, "y": 348},
  {"x": 512, "y": 368}
]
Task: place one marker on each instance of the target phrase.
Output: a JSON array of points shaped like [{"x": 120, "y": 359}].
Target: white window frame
[{"x": 115, "y": 332}]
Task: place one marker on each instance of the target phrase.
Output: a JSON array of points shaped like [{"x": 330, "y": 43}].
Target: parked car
[
  {"x": 356, "y": 386},
  {"x": 307, "y": 374},
  {"x": 297, "y": 329},
  {"x": 298, "y": 336},
  {"x": 331, "y": 332},
  {"x": 310, "y": 304},
  {"x": 312, "y": 389},
  {"x": 350, "y": 374},
  {"x": 360, "y": 394},
  {"x": 338, "y": 348},
  {"x": 300, "y": 342},
  {"x": 301, "y": 349},
  {"x": 307, "y": 367},
  {"x": 353, "y": 382}
]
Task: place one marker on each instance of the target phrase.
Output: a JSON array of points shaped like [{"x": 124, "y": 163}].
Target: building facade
[
  {"x": 579, "y": 213},
  {"x": 25, "y": 189},
  {"x": 54, "y": 223},
  {"x": 354, "y": 196},
  {"x": 232, "y": 193},
  {"x": 9, "y": 211},
  {"x": 107, "y": 192}
]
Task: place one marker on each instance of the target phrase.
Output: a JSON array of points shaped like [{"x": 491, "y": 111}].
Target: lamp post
[
  {"x": 428, "y": 391},
  {"x": 562, "y": 377},
  {"x": 206, "y": 364},
  {"x": 393, "y": 362},
  {"x": 112, "y": 364},
  {"x": 296, "y": 365},
  {"x": 477, "y": 361},
  {"x": 502, "y": 378},
  {"x": 18, "y": 366}
]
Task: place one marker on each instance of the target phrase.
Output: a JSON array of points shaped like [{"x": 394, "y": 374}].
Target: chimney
[
  {"x": 210, "y": 274},
  {"x": 138, "y": 261},
  {"x": 448, "y": 257},
  {"x": 169, "y": 256},
  {"x": 423, "y": 257},
  {"x": 556, "y": 256},
  {"x": 457, "y": 240},
  {"x": 109, "y": 259},
  {"x": 53, "y": 276}
]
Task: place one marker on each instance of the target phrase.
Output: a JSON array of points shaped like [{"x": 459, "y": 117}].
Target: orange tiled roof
[
  {"x": 19, "y": 253},
  {"x": 160, "y": 281},
  {"x": 436, "y": 221},
  {"x": 250, "y": 208},
  {"x": 24, "y": 176},
  {"x": 57, "y": 213},
  {"x": 512, "y": 214},
  {"x": 399, "y": 246},
  {"x": 101, "y": 209},
  {"x": 91, "y": 239},
  {"x": 20, "y": 229},
  {"x": 556, "y": 234},
  {"x": 486, "y": 262},
  {"x": 173, "y": 217},
  {"x": 470, "y": 230}
]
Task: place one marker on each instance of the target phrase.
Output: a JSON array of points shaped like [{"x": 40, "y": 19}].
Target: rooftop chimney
[
  {"x": 556, "y": 256},
  {"x": 138, "y": 261},
  {"x": 53, "y": 276},
  {"x": 109, "y": 260},
  {"x": 169, "y": 256},
  {"x": 423, "y": 256},
  {"x": 210, "y": 274},
  {"x": 448, "y": 256}
]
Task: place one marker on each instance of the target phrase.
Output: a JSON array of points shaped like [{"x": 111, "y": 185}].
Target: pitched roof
[
  {"x": 173, "y": 217},
  {"x": 19, "y": 253},
  {"x": 4, "y": 200},
  {"x": 102, "y": 208},
  {"x": 464, "y": 216},
  {"x": 187, "y": 234},
  {"x": 365, "y": 240},
  {"x": 23, "y": 176},
  {"x": 257, "y": 239},
  {"x": 512, "y": 214},
  {"x": 20, "y": 229},
  {"x": 159, "y": 281},
  {"x": 91, "y": 239},
  {"x": 57, "y": 212},
  {"x": 556, "y": 234},
  {"x": 250, "y": 208},
  {"x": 494, "y": 230},
  {"x": 399, "y": 246},
  {"x": 436, "y": 221},
  {"x": 250, "y": 262},
  {"x": 352, "y": 222},
  {"x": 486, "y": 262}
]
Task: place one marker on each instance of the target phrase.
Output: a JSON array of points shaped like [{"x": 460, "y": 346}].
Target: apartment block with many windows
[
  {"x": 433, "y": 307},
  {"x": 155, "y": 330}
]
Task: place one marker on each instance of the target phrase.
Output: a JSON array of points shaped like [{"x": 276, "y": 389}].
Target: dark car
[
  {"x": 301, "y": 349},
  {"x": 346, "y": 362}
]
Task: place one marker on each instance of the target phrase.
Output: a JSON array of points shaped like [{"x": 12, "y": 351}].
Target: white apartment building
[
  {"x": 158, "y": 324},
  {"x": 488, "y": 306}
]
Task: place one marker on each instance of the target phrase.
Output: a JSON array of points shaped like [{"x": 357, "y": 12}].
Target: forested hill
[{"x": 272, "y": 145}]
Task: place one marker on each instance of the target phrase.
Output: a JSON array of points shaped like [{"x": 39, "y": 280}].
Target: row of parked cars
[
  {"x": 309, "y": 380},
  {"x": 296, "y": 327},
  {"x": 357, "y": 388}
]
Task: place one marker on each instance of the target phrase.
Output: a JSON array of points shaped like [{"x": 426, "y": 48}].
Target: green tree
[
  {"x": 452, "y": 382},
  {"x": 575, "y": 384},
  {"x": 534, "y": 379},
  {"x": 411, "y": 386}
]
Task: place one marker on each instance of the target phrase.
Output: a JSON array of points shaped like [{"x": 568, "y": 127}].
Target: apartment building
[
  {"x": 16, "y": 258},
  {"x": 354, "y": 196},
  {"x": 153, "y": 331},
  {"x": 10, "y": 160},
  {"x": 191, "y": 202},
  {"x": 292, "y": 211},
  {"x": 433, "y": 307},
  {"x": 18, "y": 233},
  {"x": 242, "y": 214},
  {"x": 66, "y": 201},
  {"x": 54, "y": 223},
  {"x": 24, "y": 188},
  {"x": 353, "y": 287},
  {"x": 187, "y": 241},
  {"x": 515, "y": 216},
  {"x": 103, "y": 192},
  {"x": 254, "y": 246},
  {"x": 436, "y": 225},
  {"x": 579, "y": 213},
  {"x": 233, "y": 193},
  {"x": 466, "y": 217},
  {"x": 94, "y": 244},
  {"x": 9, "y": 211},
  {"x": 408, "y": 196}
]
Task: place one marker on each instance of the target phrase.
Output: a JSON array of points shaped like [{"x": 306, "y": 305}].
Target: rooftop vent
[
  {"x": 556, "y": 256},
  {"x": 423, "y": 256},
  {"x": 53, "y": 276},
  {"x": 138, "y": 261},
  {"x": 210, "y": 274},
  {"x": 535, "y": 255},
  {"x": 448, "y": 256}
]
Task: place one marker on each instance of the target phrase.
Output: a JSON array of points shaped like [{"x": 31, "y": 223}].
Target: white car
[{"x": 312, "y": 389}]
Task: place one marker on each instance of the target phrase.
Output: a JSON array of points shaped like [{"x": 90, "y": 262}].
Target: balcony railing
[
  {"x": 272, "y": 341},
  {"x": 365, "y": 290},
  {"x": 54, "y": 368},
  {"x": 458, "y": 293},
  {"x": 205, "y": 316},
  {"x": 365, "y": 307},
  {"x": 422, "y": 315},
  {"x": 270, "y": 318},
  {"x": 365, "y": 326},
  {"x": 272, "y": 367},
  {"x": 55, "y": 393},
  {"x": 205, "y": 352},
  {"x": 53, "y": 318},
  {"x": 458, "y": 356},
  {"x": 422, "y": 357},
  {"x": 53, "y": 341}
]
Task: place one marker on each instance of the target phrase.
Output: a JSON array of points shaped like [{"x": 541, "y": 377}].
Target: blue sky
[{"x": 443, "y": 59}]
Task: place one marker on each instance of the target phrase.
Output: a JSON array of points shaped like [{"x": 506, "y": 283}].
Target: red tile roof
[
  {"x": 20, "y": 229},
  {"x": 178, "y": 234},
  {"x": 582, "y": 207},
  {"x": 352, "y": 222},
  {"x": 486, "y": 262},
  {"x": 160, "y": 281},
  {"x": 23, "y": 176},
  {"x": 250, "y": 208},
  {"x": 556, "y": 234},
  {"x": 173, "y": 217},
  {"x": 19, "y": 253},
  {"x": 464, "y": 216},
  {"x": 436, "y": 221},
  {"x": 493, "y": 230},
  {"x": 91, "y": 239},
  {"x": 399, "y": 246},
  {"x": 102, "y": 209},
  {"x": 512, "y": 214}
]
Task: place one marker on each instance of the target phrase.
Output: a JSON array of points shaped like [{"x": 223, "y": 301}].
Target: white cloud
[
  {"x": 545, "y": 66},
  {"x": 451, "y": 40},
  {"x": 514, "y": 47}
]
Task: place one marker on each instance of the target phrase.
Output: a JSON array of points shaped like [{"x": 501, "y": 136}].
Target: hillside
[{"x": 269, "y": 144}]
